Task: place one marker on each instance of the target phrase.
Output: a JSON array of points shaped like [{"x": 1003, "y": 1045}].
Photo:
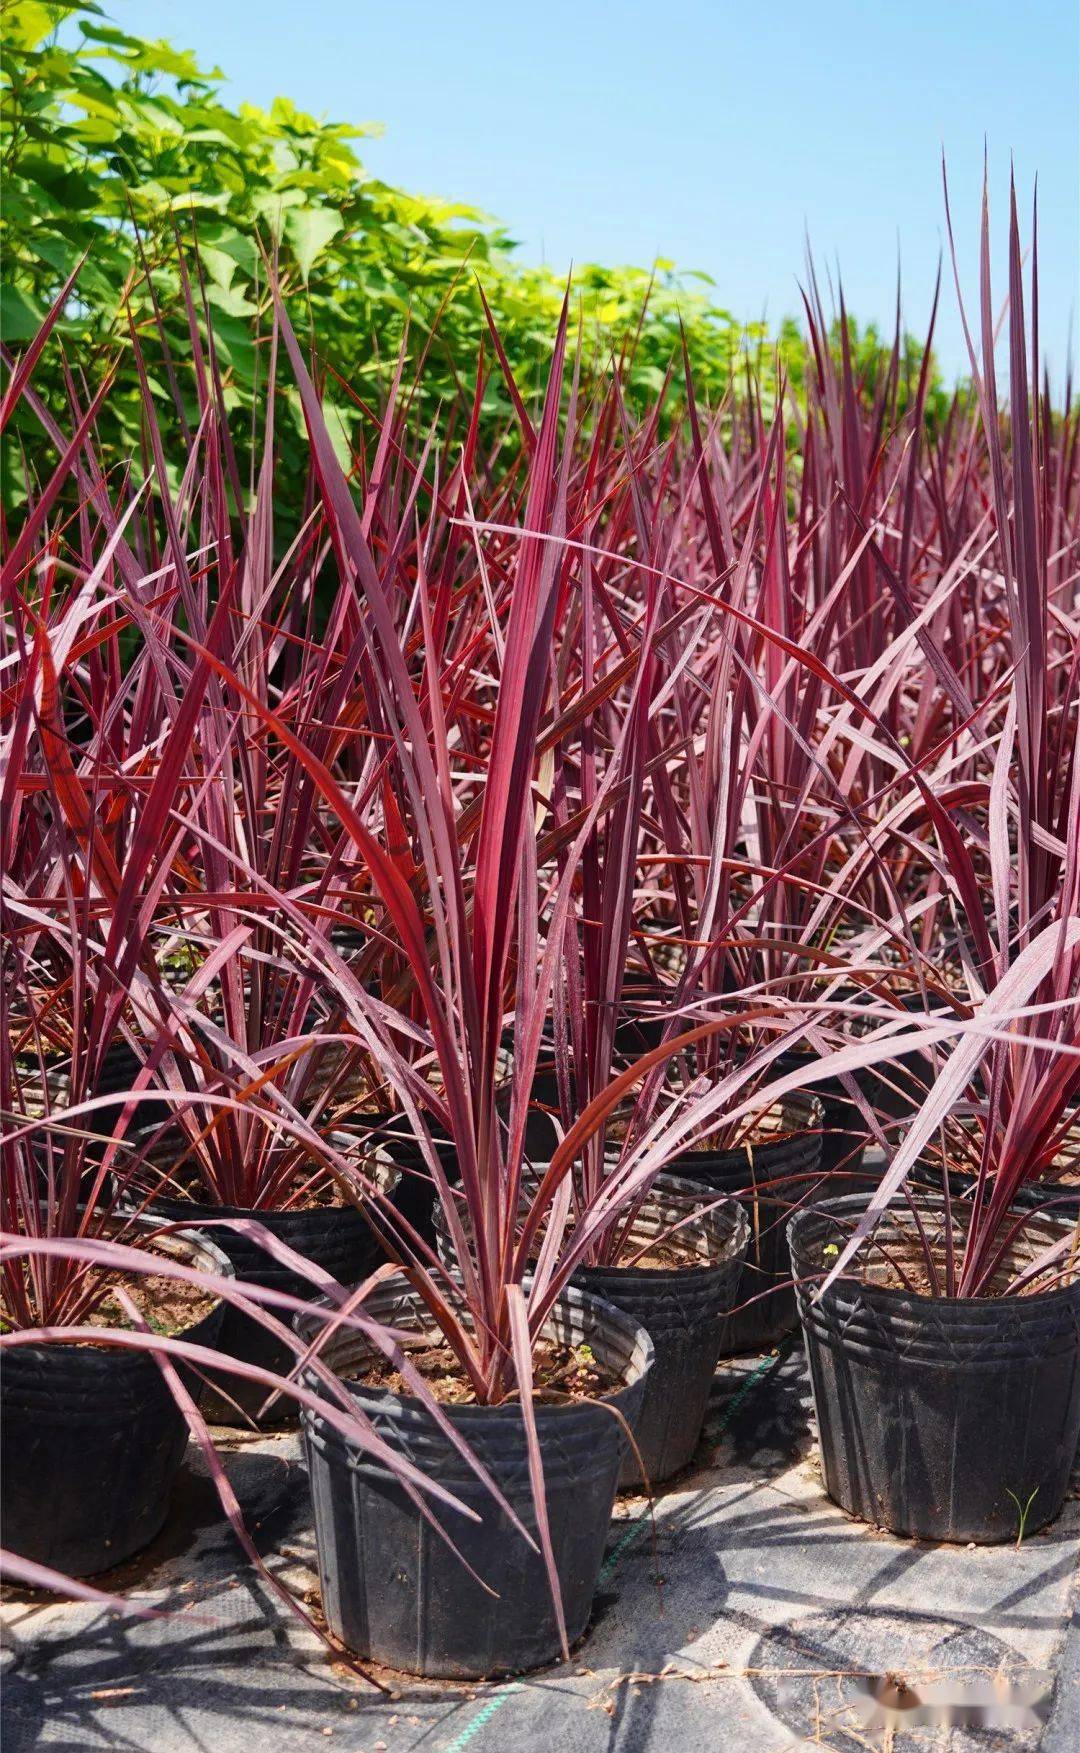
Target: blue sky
[{"x": 711, "y": 132}]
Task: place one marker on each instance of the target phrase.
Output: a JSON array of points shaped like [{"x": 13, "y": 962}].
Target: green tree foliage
[{"x": 117, "y": 150}]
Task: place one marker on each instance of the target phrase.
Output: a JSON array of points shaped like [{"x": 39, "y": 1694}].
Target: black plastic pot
[
  {"x": 118, "y": 1072},
  {"x": 1059, "y": 1199},
  {"x": 843, "y": 1129},
  {"x": 942, "y": 1418},
  {"x": 339, "y": 1238},
  {"x": 414, "y": 1195},
  {"x": 768, "y": 1181},
  {"x": 843, "y": 1138},
  {"x": 683, "y": 1309},
  {"x": 392, "y": 1590},
  {"x": 91, "y": 1440},
  {"x": 1056, "y": 1199},
  {"x": 897, "y": 1088}
]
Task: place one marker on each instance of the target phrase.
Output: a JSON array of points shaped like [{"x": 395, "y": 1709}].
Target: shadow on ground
[{"x": 748, "y": 1614}]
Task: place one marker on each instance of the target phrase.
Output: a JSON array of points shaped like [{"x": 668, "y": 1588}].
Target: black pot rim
[
  {"x": 307, "y": 1325},
  {"x": 1042, "y": 1192},
  {"x": 728, "y": 1237},
  {"x": 205, "y": 1210},
  {"x": 808, "y": 1123},
  {"x": 199, "y": 1211},
  {"x": 693, "y": 1192},
  {"x": 894, "y": 1297}
]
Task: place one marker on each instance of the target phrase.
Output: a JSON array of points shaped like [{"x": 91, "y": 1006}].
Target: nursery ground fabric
[{"x": 757, "y": 1618}]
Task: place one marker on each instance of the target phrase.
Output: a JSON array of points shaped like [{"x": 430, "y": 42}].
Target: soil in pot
[
  {"x": 340, "y": 1238},
  {"x": 91, "y": 1437},
  {"x": 943, "y": 1418},
  {"x": 681, "y": 1290},
  {"x": 560, "y": 1371},
  {"x": 392, "y": 1589},
  {"x": 777, "y": 1169}
]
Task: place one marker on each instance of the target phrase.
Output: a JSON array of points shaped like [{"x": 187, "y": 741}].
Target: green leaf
[
  {"x": 309, "y": 230},
  {"x": 230, "y": 300},
  {"x": 236, "y": 347},
  {"x": 220, "y": 265},
  {"x": 28, "y": 25},
  {"x": 20, "y": 320}
]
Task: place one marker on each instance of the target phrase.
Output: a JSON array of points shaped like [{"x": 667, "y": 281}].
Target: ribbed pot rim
[
  {"x": 202, "y": 1211},
  {"x": 386, "y": 1173},
  {"x": 724, "y": 1227},
  {"x": 59, "y": 1056},
  {"x": 905, "y": 1302},
  {"x": 1057, "y": 1198},
  {"x": 1043, "y": 1191},
  {"x": 388, "y": 1297},
  {"x": 802, "y": 1117},
  {"x": 1051, "y": 1197}
]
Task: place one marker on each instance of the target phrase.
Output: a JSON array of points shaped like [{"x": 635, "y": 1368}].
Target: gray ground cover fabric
[{"x": 748, "y": 1620}]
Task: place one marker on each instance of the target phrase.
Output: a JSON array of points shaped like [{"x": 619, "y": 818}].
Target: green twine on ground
[
  {"x": 633, "y": 1533},
  {"x": 483, "y": 1716}
]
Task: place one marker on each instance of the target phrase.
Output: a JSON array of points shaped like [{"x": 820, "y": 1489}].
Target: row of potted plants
[{"x": 555, "y": 919}]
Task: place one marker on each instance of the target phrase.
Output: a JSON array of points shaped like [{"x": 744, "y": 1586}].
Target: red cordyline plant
[
  {"x": 182, "y": 772},
  {"x": 609, "y": 627},
  {"x": 1005, "y": 850},
  {"x": 498, "y": 721},
  {"x": 862, "y": 578},
  {"x": 742, "y": 804},
  {"x": 951, "y": 768},
  {"x": 72, "y": 1244},
  {"x": 675, "y": 832},
  {"x": 483, "y": 922},
  {"x": 482, "y": 919},
  {"x": 98, "y": 830}
]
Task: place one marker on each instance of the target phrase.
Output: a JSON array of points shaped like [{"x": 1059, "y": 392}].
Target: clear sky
[{"x": 712, "y": 132}]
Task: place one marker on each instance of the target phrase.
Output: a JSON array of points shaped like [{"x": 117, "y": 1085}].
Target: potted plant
[
  {"x": 750, "y": 907},
  {"x": 108, "y": 1317},
  {"x": 257, "y": 1142},
  {"x": 543, "y": 1380},
  {"x": 92, "y": 1436},
  {"x": 93, "y": 1296},
  {"x": 931, "y": 1320},
  {"x": 109, "y": 1328},
  {"x": 672, "y": 1258},
  {"x": 255, "y": 1024}
]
